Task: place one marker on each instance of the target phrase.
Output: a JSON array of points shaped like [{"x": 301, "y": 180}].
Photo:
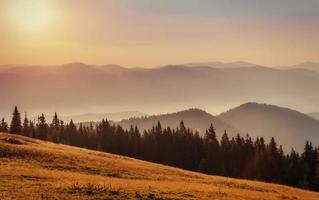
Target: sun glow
[{"x": 31, "y": 15}]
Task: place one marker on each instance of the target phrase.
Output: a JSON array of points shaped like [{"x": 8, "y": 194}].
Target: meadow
[{"x": 35, "y": 169}]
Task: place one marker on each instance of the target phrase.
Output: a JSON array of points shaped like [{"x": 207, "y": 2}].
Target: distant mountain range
[
  {"x": 221, "y": 64},
  {"x": 308, "y": 65},
  {"x": 82, "y": 88},
  {"x": 312, "y": 66},
  {"x": 290, "y": 128}
]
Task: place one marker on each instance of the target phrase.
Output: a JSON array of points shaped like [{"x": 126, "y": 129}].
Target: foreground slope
[
  {"x": 33, "y": 169},
  {"x": 289, "y": 127}
]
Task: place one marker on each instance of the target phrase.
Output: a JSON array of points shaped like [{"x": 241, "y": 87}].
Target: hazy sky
[{"x": 157, "y": 32}]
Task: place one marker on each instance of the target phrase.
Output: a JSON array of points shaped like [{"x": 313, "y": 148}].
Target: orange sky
[{"x": 163, "y": 32}]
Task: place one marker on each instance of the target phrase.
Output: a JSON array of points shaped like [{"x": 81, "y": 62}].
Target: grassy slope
[{"x": 34, "y": 168}]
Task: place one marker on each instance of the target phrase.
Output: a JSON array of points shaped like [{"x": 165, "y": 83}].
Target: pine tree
[
  {"x": 310, "y": 164},
  {"x": 72, "y": 132},
  {"x": 212, "y": 150},
  {"x": 272, "y": 161},
  {"x": 225, "y": 154},
  {"x": 55, "y": 122},
  {"x": 294, "y": 170},
  {"x": 25, "y": 129},
  {"x": 15, "y": 126},
  {"x": 3, "y": 126},
  {"x": 260, "y": 167},
  {"x": 54, "y": 131},
  {"x": 32, "y": 132},
  {"x": 42, "y": 128}
]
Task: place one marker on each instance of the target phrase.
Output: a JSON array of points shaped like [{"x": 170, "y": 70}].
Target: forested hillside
[{"x": 240, "y": 157}]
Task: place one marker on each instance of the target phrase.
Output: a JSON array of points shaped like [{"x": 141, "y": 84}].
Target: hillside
[
  {"x": 237, "y": 64},
  {"x": 314, "y": 115},
  {"x": 194, "y": 118},
  {"x": 82, "y": 88},
  {"x": 290, "y": 128},
  {"x": 314, "y": 66},
  {"x": 95, "y": 117},
  {"x": 33, "y": 169}
]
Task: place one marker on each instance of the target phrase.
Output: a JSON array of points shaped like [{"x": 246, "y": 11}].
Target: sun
[{"x": 31, "y": 15}]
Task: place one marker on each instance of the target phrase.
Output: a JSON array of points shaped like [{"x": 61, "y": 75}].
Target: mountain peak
[
  {"x": 217, "y": 64},
  {"x": 194, "y": 118},
  {"x": 75, "y": 65},
  {"x": 288, "y": 126}
]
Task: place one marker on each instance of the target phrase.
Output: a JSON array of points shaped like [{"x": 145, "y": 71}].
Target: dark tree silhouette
[
  {"x": 212, "y": 153},
  {"x": 3, "y": 126},
  {"x": 26, "y": 128},
  {"x": 310, "y": 157},
  {"x": 42, "y": 128},
  {"x": 15, "y": 126}
]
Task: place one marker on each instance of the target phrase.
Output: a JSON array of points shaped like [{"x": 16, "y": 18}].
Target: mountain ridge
[
  {"x": 287, "y": 126},
  {"x": 77, "y": 89},
  {"x": 194, "y": 118}
]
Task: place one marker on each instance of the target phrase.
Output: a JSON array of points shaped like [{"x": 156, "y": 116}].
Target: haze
[{"x": 152, "y": 33}]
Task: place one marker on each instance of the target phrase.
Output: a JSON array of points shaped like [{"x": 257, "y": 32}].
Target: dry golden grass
[{"x": 33, "y": 169}]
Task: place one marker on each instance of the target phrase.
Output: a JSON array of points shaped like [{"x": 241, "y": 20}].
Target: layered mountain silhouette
[
  {"x": 289, "y": 127},
  {"x": 314, "y": 66},
  {"x": 221, "y": 64},
  {"x": 82, "y": 88},
  {"x": 196, "y": 119}
]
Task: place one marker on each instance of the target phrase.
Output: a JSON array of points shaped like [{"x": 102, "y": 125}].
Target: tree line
[{"x": 238, "y": 157}]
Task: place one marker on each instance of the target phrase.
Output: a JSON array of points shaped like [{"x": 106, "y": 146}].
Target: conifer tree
[
  {"x": 42, "y": 128},
  {"x": 25, "y": 129},
  {"x": 225, "y": 154},
  {"x": 294, "y": 171},
  {"x": 310, "y": 162},
  {"x": 55, "y": 128},
  {"x": 272, "y": 158},
  {"x": 212, "y": 150},
  {"x": 71, "y": 131},
  {"x": 3, "y": 126},
  {"x": 55, "y": 122},
  {"x": 32, "y": 132},
  {"x": 15, "y": 126}
]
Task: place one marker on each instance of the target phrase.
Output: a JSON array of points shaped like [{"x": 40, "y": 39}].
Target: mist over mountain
[
  {"x": 221, "y": 64},
  {"x": 80, "y": 88},
  {"x": 289, "y": 127},
  {"x": 86, "y": 118},
  {"x": 96, "y": 117},
  {"x": 196, "y": 119},
  {"x": 314, "y": 66},
  {"x": 314, "y": 115}
]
